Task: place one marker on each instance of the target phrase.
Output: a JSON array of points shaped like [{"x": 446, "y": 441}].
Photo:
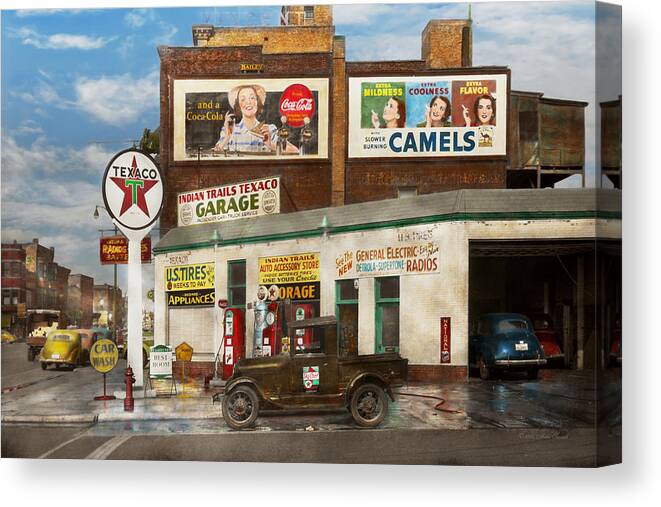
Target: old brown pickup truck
[{"x": 313, "y": 377}]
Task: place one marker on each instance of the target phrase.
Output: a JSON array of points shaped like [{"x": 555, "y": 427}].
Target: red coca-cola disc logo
[{"x": 296, "y": 103}]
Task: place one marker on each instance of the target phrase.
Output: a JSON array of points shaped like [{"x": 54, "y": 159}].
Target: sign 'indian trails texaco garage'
[
  {"x": 229, "y": 202},
  {"x": 133, "y": 189}
]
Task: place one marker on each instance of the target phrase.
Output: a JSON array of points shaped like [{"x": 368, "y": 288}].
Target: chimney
[{"x": 448, "y": 43}]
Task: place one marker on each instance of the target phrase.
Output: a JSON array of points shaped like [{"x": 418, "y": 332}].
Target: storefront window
[
  {"x": 387, "y": 314},
  {"x": 346, "y": 311},
  {"x": 236, "y": 276}
]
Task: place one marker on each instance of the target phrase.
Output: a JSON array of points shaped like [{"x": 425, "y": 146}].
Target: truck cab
[{"x": 312, "y": 376}]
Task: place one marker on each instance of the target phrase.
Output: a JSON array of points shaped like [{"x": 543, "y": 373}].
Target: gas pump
[
  {"x": 234, "y": 340},
  {"x": 303, "y": 337},
  {"x": 270, "y": 331}
]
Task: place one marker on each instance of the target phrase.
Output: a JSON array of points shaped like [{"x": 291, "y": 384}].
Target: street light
[{"x": 114, "y": 293}]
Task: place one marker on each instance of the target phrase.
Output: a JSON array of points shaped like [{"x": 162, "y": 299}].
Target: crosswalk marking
[{"x": 107, "y": 448}]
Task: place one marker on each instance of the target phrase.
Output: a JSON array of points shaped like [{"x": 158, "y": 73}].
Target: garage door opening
[{"x": 571, "y": 286}]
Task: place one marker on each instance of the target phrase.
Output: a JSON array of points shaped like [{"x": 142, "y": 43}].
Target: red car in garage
[{"x": 545, "y": 332}]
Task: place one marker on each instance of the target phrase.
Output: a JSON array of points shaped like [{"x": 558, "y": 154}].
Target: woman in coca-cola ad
[{"x": 242, "y": 130}]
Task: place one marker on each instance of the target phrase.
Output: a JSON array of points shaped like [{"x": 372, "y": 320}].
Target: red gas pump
[
  {"x": 235, "y": 343},
  {"x": 270, "y": 332},
  {"x": 303, "y": 338}
]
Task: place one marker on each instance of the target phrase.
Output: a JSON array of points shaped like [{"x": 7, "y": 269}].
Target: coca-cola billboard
[
  {"x": 250, "y": 118},
  {"x": 296, "y": 104}
]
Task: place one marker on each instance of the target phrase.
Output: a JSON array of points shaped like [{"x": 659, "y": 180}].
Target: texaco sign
[{"x": 133, "y": 189}]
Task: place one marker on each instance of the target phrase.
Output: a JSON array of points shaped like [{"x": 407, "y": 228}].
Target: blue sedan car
[{"x": 505, "y": 341}]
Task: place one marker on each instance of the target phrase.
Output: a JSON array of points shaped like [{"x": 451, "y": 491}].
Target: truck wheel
[
  {"x": 44, "y": 366},
  {"x": 30, "y": 354},
  {"x": 485, "y": 371},
  {"x": 369, "y": 405},
  {"x": 240, "y": 407}
]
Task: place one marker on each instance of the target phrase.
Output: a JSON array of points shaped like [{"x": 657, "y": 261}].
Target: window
[
  {"x": 236, "y": 283},
  {"x": 316, "y": 344},
  {"x": 387, "y": 314},
  {"x": 483, "y": 328},
  {"x": 308, "y": 13},
  {"x": 346, "y": 311}
]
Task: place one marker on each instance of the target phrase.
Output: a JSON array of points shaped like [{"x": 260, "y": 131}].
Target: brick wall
[
  {"x": 277, "y": 39},
  {"x": 447, "y": 44},
  {"x": 437, "y": 373},
  {"x": 305, "y": 184}
]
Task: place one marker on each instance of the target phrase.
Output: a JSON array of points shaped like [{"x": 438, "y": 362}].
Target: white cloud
[
  {"x": 138, "y": 17},
  {"x": 126, "y": 46},
  {"x": 49, "y": 192},
  {"x": 389, "y": 47},
  {"x": 166, "y": 36},
  {"x": 31, "y": 37},
  {"x": 360, "y": 14},
  {"x": 29, "y": 127},
  {"x": 24, "y": 13},
  {"x": 117, "y": 100}
]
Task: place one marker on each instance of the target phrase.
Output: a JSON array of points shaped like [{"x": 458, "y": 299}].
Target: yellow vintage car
[
  {"x": 7, "y": 337},
  {"x": 66, "y": 347}
]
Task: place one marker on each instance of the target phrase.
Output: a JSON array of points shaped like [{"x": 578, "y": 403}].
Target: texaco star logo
[{"x": 133, "y": 189}]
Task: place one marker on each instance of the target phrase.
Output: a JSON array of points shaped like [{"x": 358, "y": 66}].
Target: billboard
[
  {"x": 296, "y": 276},
  {"x": 428, "y": 116},
  {"x": 229, "y": 202},
  {"x": 115, "y": 250},
  {"x": 190, "y": 285},
  {"x": 388, "y": 260},
  {"x": 251, "y": 118}
]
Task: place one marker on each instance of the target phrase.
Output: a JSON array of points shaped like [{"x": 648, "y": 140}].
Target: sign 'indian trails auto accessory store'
[
  {"x": 229, "y": 202},
  {"x": 190, "y": 285}
]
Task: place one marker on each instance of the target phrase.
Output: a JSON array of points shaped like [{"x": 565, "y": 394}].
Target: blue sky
[{"x": 78, "y": 85}]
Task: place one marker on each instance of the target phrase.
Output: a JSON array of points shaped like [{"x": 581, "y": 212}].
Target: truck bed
[{"x": 391, "y": 367}]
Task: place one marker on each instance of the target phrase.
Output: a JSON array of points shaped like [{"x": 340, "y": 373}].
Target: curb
[
  {"x": 132, "y": 416},
  {"x": 50, "y": 419}
]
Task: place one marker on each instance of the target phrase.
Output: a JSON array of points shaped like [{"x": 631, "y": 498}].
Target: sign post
[
  {"x": 133, "y": 194},
  {"x": 183, "y": 353},
  {"x": 104, "y": 356}
]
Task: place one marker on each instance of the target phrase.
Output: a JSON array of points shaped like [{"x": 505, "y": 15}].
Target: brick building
[
  {"x": 31, "y": 280},
  {"x": 81, "y": 300},
  {"x": 13, "y": 284},
  {"x": 544, "y": 137},
  {"x": 104, "y": 295}
]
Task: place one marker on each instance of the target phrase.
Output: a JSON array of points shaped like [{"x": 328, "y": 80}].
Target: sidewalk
[{"x": 68, "y": 397}]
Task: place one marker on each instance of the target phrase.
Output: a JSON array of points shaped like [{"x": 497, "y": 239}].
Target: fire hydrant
[{"x": 128, "y": 399}]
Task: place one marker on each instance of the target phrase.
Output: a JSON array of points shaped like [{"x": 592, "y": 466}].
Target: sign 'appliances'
[{"x": 190, "y": 285}]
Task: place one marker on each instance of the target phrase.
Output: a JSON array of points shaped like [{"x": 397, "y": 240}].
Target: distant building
[
  {"x": 81, "y": 300},
  {"x": 40, "y": 275},
  {"x": 611, "y": 141},
  {"x": 104, "y": 295},
  {"x": 13, "y": 283}
]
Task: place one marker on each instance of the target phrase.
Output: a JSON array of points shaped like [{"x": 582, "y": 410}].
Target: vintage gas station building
[{"x": 391, "y": 270}]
